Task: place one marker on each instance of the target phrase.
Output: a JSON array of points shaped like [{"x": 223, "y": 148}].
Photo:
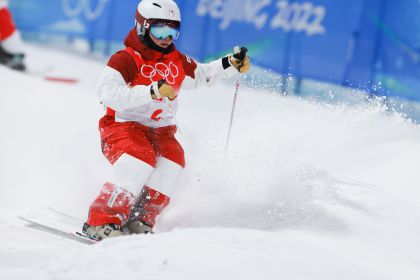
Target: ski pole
[
  {"x": 239, "y": 54},
  {"x": 231, "y": 115}
]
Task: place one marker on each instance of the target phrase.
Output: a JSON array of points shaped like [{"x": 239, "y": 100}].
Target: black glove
[{"x": 240, "y": 59}]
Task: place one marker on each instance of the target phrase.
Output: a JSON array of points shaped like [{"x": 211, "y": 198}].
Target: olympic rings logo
[
  {"x": 167, "y": 72},
  {"x": 83, "y": 7}
]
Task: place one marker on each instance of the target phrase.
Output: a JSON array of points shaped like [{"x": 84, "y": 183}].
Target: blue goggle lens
[{"x": 163, "y": 31}]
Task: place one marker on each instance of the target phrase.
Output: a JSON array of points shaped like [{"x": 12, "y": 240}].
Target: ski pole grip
[{"x": 239, "y": 53}]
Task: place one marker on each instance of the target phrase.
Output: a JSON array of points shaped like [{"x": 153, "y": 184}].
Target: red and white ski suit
[
  {"x": 10, "y": 38},
  {"x": 138, "y": 132}
]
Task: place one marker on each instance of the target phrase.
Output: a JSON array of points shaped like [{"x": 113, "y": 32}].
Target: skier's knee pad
[
  {"x": 130, "y": 173},
  {"x": 165, "y": 176}
]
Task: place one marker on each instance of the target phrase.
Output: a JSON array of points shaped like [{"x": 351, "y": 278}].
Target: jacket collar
[{"x": 134, "y": 42}]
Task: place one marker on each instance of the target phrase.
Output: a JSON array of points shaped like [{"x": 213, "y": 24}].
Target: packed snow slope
[{"x": 306, "y": 190}]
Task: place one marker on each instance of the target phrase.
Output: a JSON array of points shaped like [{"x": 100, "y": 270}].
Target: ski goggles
[{"x": 161, "y": 31}]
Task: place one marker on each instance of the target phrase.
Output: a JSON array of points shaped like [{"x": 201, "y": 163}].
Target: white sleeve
[
  {"x": 208, "y": 73},
  {"x": 114, "y": 92}
]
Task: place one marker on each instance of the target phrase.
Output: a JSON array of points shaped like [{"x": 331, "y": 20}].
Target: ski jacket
[{"x": 124, "y": 87}]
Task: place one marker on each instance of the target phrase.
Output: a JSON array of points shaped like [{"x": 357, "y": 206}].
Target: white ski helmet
[{"x": 150, "y": 12}]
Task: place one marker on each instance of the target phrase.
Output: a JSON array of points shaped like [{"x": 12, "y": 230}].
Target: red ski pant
[
  {"x": 139, "y": 141},
  {"x": 113, "y": 204},
  {"x": 7, "y": 26}
]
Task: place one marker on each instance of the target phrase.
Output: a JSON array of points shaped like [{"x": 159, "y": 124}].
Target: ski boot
[
  {"x": 101, "y": 232},
  {"x": 13, "y": 61},
  {"x": 143, "y": 213},
  {"x": 138, "y": 227}
]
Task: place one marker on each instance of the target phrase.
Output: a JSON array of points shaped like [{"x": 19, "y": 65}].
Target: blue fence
[{"x": 369, "y": 44}]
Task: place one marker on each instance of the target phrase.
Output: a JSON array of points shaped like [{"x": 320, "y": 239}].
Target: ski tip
[{"x": 69, "y": 234}]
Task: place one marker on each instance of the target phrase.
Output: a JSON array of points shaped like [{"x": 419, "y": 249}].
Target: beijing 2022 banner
[{"x": 369, "y": 44}]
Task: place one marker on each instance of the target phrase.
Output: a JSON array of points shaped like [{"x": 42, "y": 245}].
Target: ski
[
  {"x": 47, "y": 75},
  {"x": 59, "y": 79},
  {"x": 72, "y": 235}
]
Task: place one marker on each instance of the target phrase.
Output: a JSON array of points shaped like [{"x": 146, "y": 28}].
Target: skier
[
  {"x": 140, "y": 88},
  {"x": 11, "y": 47}
]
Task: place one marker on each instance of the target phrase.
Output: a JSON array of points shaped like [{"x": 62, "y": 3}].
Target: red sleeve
[
  {"x": 189, "y": 65},
  {"x": 125, "y": 64}
]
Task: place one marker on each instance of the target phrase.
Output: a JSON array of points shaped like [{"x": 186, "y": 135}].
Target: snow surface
[{"x": 307, "y": 190}]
